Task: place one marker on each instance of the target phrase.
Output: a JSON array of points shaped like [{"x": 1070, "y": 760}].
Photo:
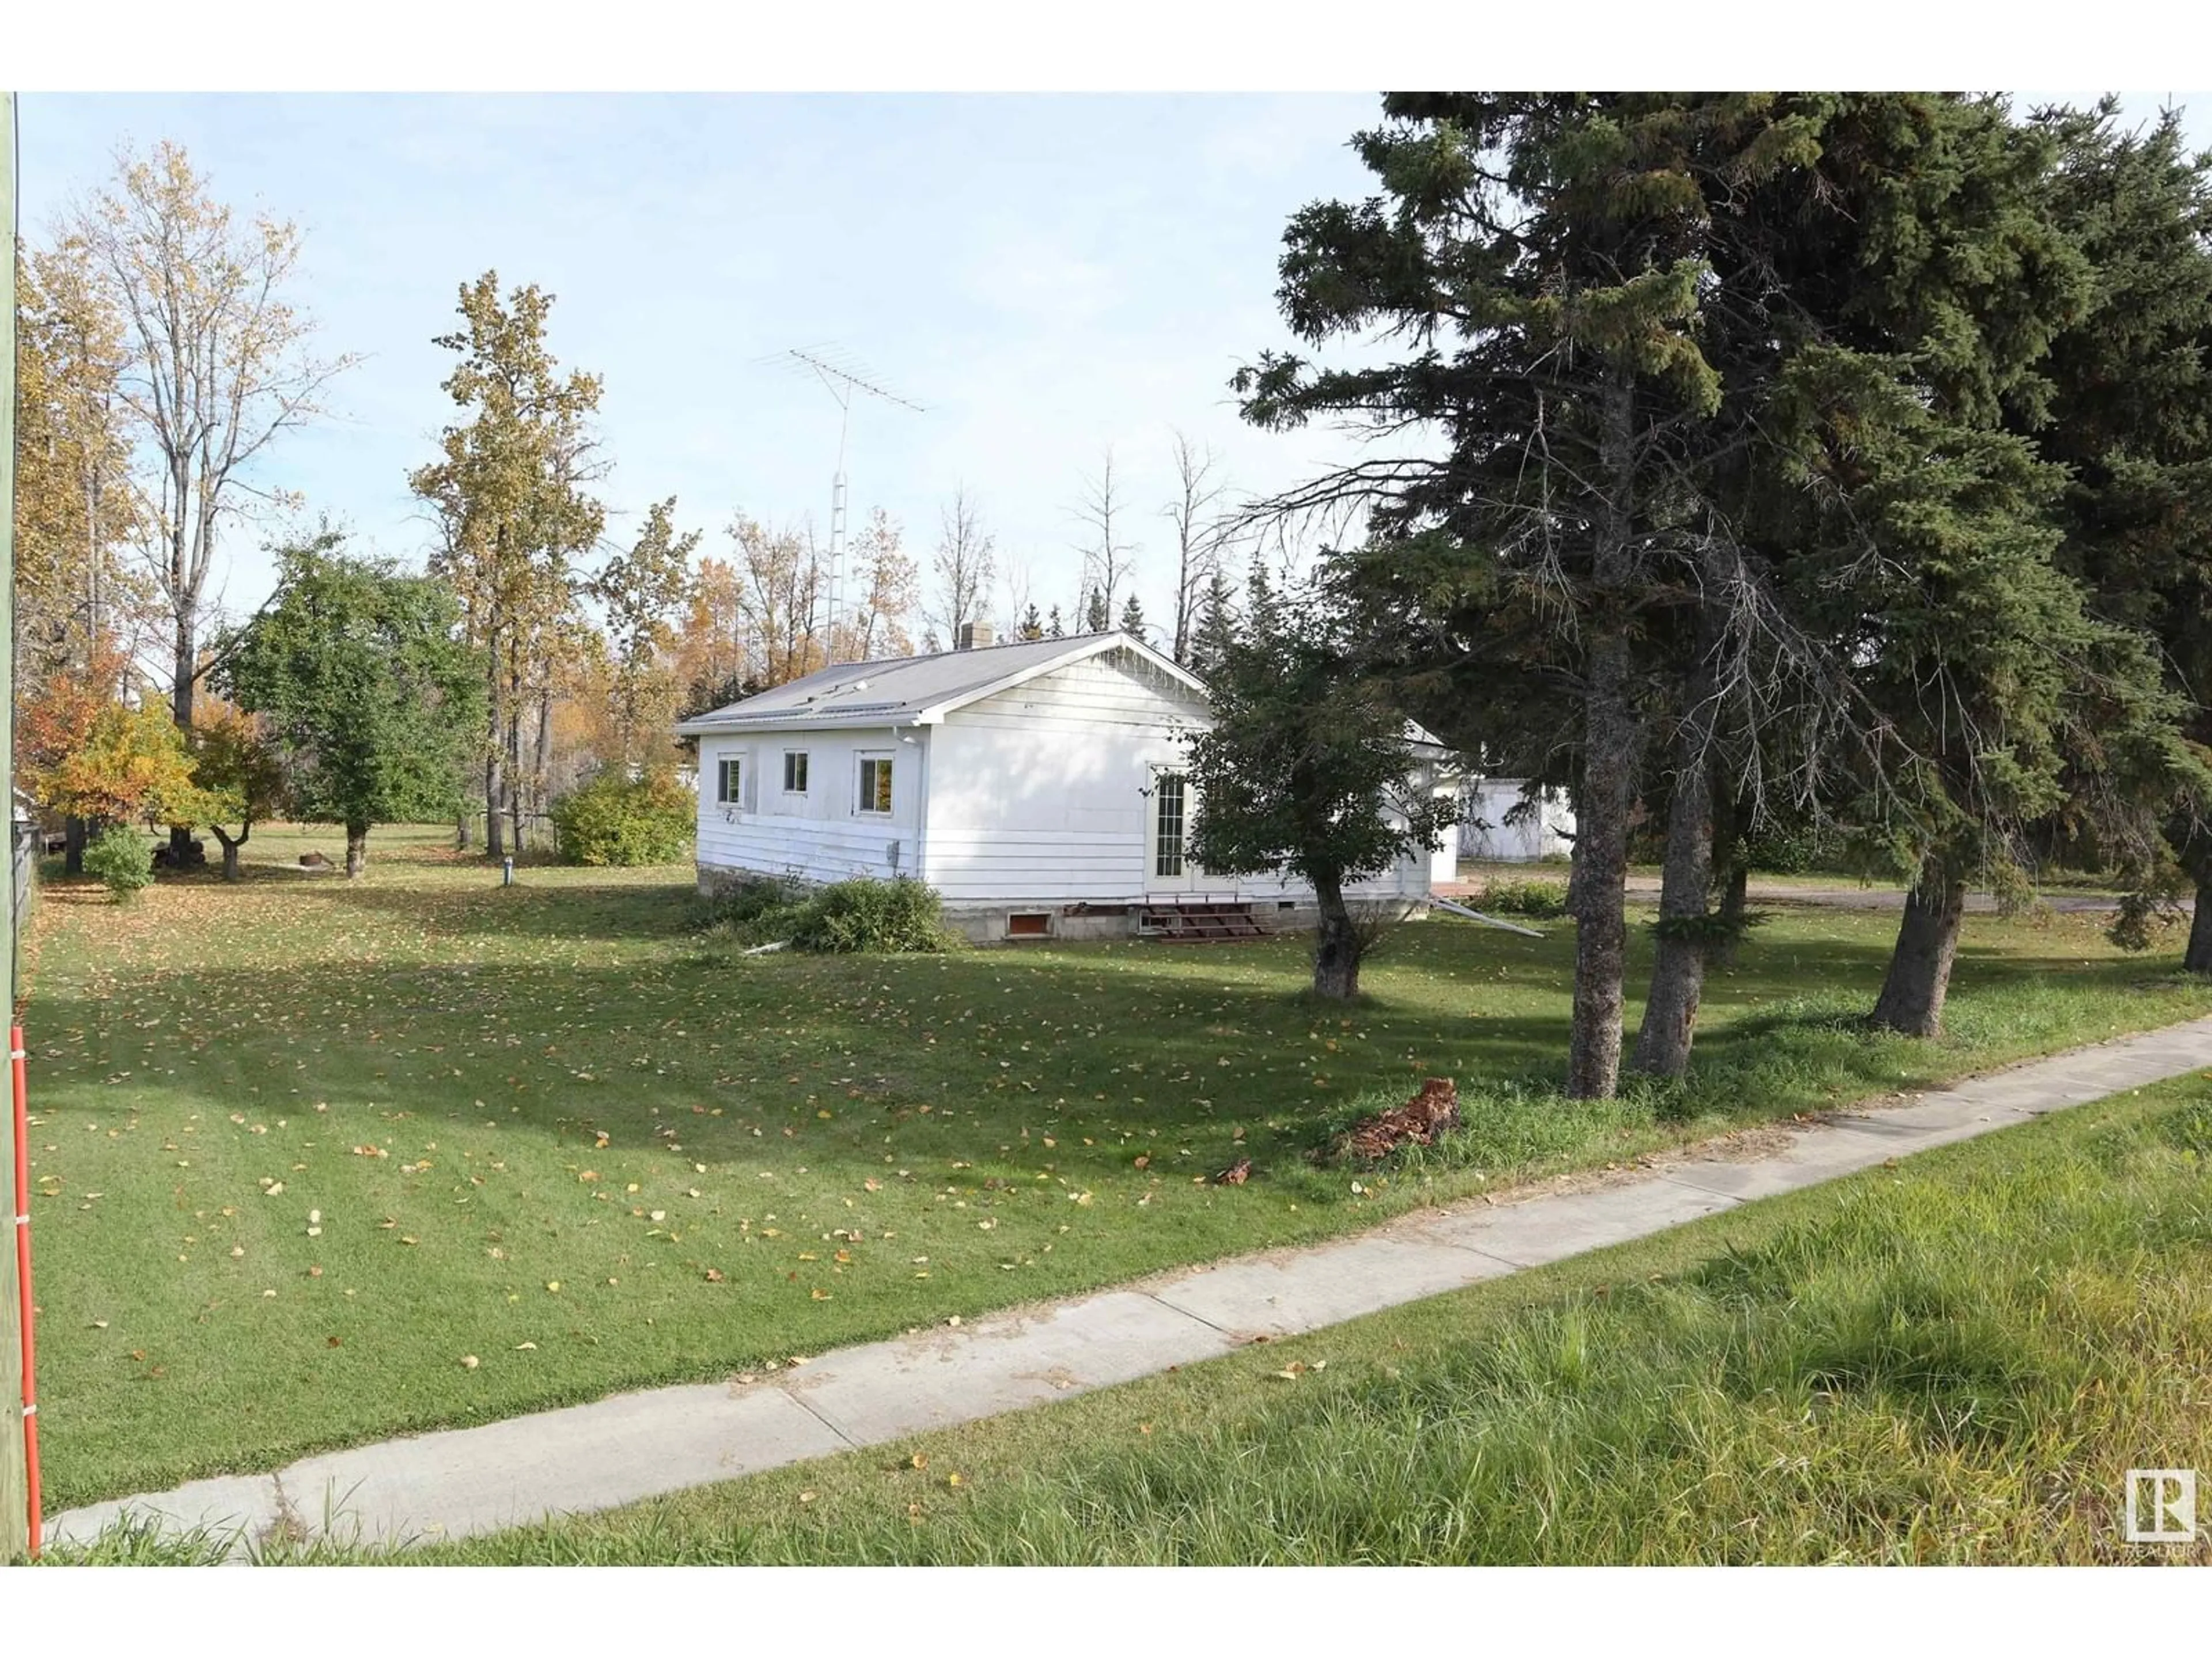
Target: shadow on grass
[{"x": 1164, "y": 1045}]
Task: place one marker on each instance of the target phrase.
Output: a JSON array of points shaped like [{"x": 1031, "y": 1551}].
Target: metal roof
[{"x": 908, "y": 690}]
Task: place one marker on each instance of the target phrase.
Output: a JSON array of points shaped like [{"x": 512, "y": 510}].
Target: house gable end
[{"x": 1116, "y": 688}]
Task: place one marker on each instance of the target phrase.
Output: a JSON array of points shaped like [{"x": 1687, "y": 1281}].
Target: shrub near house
[
  {"x": 612, "y": 820},
  {"x": 861, "y": 915}
]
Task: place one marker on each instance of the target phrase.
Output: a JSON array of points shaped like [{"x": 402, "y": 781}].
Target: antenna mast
[{"x": 840, "y": 377}]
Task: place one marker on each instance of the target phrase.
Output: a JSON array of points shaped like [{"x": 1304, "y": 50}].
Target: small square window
[
  {"x": 794, "y": 772},
  {"x": 875, "y": 785},
  {"x": 731, "y": 779}
]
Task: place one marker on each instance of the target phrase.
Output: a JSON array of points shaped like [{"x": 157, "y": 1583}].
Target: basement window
[{"x": 1032, "y": 924}]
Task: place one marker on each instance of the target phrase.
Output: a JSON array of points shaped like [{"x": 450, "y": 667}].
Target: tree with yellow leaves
[
  {"x": 782, "y": 578},
  {"x": 515, "y": 518},
  {"x": 217, "y": 363},
  {"x": 132, "y": 765},
  {"x": 713, "y": 658},
  {"x": 887, "y": 581},
  {"x": 640, "y": 591},
  {"x": 74, "y": 514},
  {"x": 240, "y": 775}
]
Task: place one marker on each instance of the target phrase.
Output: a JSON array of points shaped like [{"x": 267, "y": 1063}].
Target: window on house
[
  {"x": 875, "y": 785},
  {"x": 1167, "y": 803},
  {"x": 730, "y": 780},
  {"x": 794, "y": 772}
]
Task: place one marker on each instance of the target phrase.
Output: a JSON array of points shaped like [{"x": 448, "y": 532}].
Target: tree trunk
[
  {"x": 230, "y": 848},
  {"x": 2197, "y": 958},
  {"x": 1732, "y": 874},
  {"x": 1611, "y": 740},
  {"x": 514, "y": 778},
  {"x": 514, "y": 781},
  {"x": 73, "y": 840},
  {"x": 187, "y": 667},
  {"x": 494, "y": 831},
  {"x": 1912, "y": 1000},
  {"x": 1678, "y": 967},
  {"x": 542, "y": 754},
  {"x": 461, "y": 831},
  {"x": 1336, "y": 945},
  {"x": 356, "y": 849},
  {"x": 1734, "y": 896}
]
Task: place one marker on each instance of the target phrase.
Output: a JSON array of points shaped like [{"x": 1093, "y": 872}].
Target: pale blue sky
[{"x": 1049, "y": 275}]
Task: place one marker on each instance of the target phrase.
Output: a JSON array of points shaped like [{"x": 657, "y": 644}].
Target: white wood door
[{"x": 1168, "y": 866}]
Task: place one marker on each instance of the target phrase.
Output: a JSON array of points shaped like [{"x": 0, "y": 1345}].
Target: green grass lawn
[
  {"x": 1950, "y": 1359},
  {"x": 303, "y": 1146}
]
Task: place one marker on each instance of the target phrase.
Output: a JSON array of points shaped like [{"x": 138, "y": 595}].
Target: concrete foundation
[{"x": 1018, "y": 921}]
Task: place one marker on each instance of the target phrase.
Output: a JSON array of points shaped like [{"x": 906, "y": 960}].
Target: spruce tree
[
  {"x": 1053, "y": 628},
  {"x": 1541, "y": 251},
  {"x": 1742, "y": 395},
  {"x": 1211, "y": 639},
  {"x": 1031, "y": 627},
  {"x": 1097, "y": 619},
  {"x": 1308, "y": 771},
  {"x": 1133, "y": 618},
  {"x": 2132, "y": 421},
  {"x": 1903, "y": 476}
]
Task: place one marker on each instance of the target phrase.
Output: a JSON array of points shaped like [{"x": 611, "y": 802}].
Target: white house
[{"x": 1037, "y": 786}]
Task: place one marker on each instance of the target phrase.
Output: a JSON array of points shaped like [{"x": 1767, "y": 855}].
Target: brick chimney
[{"x": 972, "y": 634}]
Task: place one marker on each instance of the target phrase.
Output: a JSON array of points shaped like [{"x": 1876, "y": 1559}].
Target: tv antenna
[{"x": 842, "y": 376}]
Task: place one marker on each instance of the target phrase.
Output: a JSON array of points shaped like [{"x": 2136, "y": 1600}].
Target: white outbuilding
[
  {"x": 1508, "y": 821},
  {"x": 1038, "y": 785}
]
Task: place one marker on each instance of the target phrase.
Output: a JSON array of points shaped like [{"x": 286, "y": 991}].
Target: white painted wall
[
  {"x": 1032, "y": 796},
  {"x": 1035, "y": 794},
  {"x": 819, "y": 836},
  {"x": 1485, "y": 834}
]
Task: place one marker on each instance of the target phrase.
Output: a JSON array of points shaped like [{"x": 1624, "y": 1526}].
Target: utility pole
[
  {"x": 14, "y": 1477},
  {"x": 841, "y": 380}
]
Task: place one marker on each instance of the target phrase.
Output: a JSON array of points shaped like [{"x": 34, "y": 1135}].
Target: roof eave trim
[{"x": 795, "y": 722}]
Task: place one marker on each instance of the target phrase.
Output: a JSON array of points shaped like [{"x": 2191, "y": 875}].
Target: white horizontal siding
[
  {"x": 819, "y": 835},
  {"x": 1099, "y": 693},
  {"x": 1037, "y": 795},
  {"x": 984, "y": 867},
  {"x": 800, "y": 847}
]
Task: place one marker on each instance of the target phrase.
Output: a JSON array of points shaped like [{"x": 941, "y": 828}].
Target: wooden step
[{"x": 1198, "y": 923}]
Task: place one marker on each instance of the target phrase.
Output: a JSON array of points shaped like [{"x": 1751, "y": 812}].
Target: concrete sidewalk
[{"x": 460, "y": 1481}]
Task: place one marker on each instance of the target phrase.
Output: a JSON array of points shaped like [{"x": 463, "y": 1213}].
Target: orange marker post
[{"x": 23, "y": 1270}]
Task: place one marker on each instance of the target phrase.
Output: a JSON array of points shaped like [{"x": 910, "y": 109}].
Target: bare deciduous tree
[
  {"x": 965, "y": 566},
  {"x": 1020, "y": 590},
  {"x": 885, "y": 581},
  {"x": 1107, "y": 562},
  {"x": 781, "y": 574},
  {"x": 1200, "y": 530},
  {"x": 218, "y": 365}
]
